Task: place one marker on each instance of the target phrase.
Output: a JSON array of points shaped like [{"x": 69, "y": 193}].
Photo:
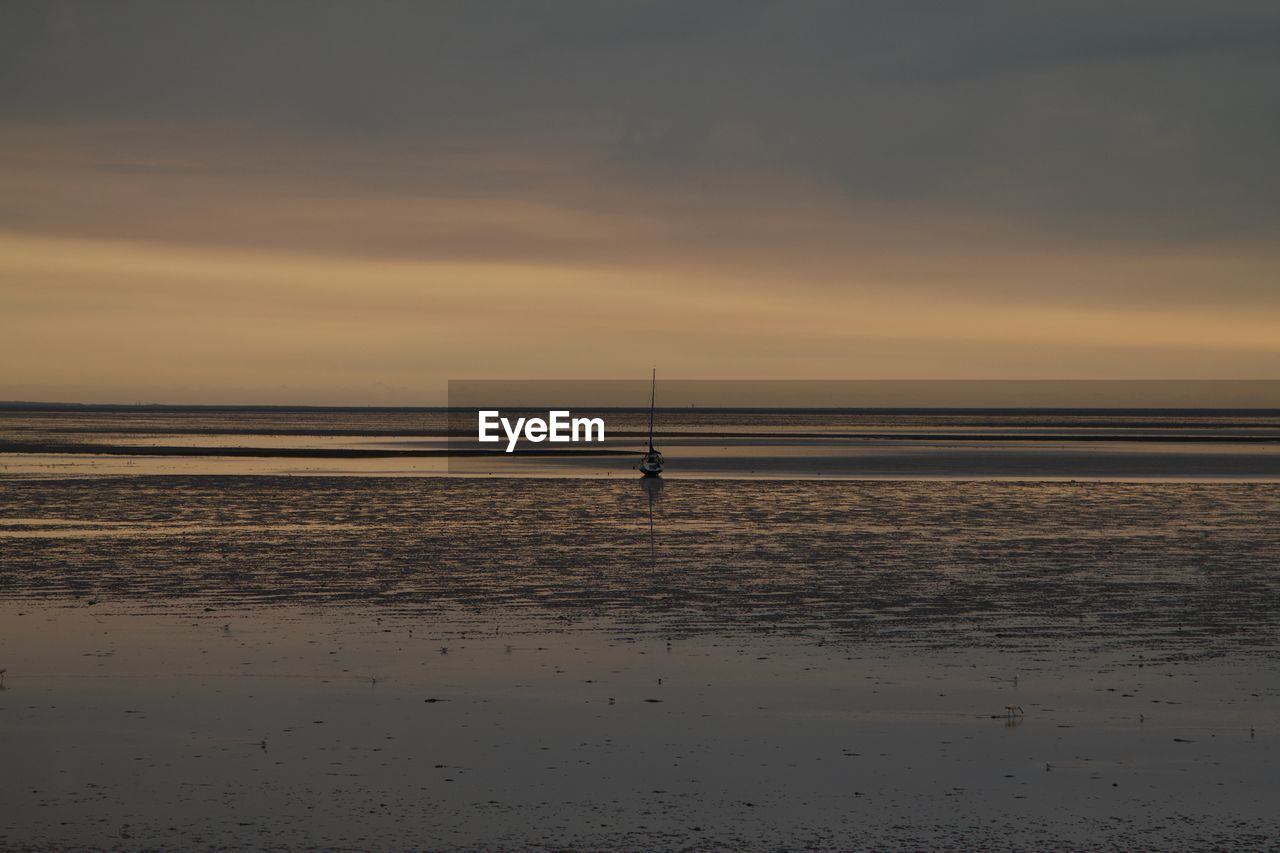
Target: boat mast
[{"x": 653, "y": 397}]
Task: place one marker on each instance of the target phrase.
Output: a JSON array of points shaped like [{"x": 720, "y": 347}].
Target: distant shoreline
[
  {"x": 1194, "y": 411},
  {"x": 35, "y": 447}
]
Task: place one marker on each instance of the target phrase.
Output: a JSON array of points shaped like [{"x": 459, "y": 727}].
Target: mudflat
[{"x": 491, "y": 663}]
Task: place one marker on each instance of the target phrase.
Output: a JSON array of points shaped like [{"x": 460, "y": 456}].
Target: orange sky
[{"x": 196, "y": 243}]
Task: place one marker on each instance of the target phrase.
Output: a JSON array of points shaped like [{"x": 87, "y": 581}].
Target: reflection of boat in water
[
  {"x": 653, "y": 489},
  {"x": 651, "y": 463}
]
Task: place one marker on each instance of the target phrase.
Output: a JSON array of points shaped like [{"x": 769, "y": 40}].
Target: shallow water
[
  {"x": 1117, "y": 445},
  {"x": 247, "y": 661},
  {"x": 302, "y": 728}
]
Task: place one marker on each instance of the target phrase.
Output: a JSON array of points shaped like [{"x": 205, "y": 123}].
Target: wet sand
[
  {"x": 249, "y": 661},
  {"x": 1174, "y": 445}
]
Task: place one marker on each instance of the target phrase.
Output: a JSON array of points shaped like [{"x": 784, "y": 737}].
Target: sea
[
  {"x": 315, "y": 629},
  {"x": 1120, "y": 444}
]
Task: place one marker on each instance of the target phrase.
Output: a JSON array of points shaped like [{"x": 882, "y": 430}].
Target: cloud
[
  {"x": 95, "y": 316},
  {"x": 1139, "y": 120},
  {"x": 879, "y": 188}
]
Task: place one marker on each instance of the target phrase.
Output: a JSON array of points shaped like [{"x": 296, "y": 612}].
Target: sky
[{"x": 352, "y": 203}]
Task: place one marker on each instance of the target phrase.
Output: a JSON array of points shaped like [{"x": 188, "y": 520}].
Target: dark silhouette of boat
[{"x": 651, "y": 463}]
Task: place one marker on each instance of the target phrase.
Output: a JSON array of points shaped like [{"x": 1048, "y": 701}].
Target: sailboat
[{"x": 651, "y": 463}]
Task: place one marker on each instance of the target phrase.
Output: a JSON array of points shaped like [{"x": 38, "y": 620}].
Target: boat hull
[{"x": 651, "y": 464}]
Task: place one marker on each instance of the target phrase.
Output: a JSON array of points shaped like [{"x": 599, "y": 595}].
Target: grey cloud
[{"x": 1122, "y": 120}]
